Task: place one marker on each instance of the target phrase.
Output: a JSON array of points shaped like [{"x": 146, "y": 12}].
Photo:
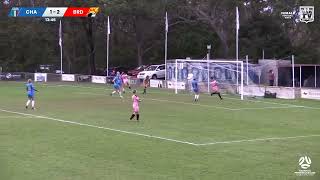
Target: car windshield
[
  {"x": 151, "y": 68},
  {"x": 140, "y": 68}
]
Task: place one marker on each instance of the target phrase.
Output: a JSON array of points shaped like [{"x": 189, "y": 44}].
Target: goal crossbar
[{"x": 208, "y": 69}]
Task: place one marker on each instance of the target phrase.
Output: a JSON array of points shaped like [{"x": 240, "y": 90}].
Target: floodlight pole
[
  {"x": 208, "y": 66},
  {"x": 315, "y": 76},
  {"x": 237, "y": 44},
  {"x": 247, "y": 61},
  {"x": 107, "y": 63},
  {"x": 300, "y": 76},
  {"x": 166, "y": 46},
  {"x": 241, "y": 89},
  {"x": 61, "y": 49},
  {"x": 292, "y": 59},
  {"x": 108, "y": 44},
  {"x": 176, "y": 74},
  {"x": 61, "y": 59},
  {"x": 166, "y": 54}
]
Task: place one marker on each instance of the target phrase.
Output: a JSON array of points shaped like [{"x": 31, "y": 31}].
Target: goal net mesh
[{"x": 180, "y": 74}]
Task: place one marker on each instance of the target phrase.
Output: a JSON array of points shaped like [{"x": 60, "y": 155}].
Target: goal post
[{"x": 180, "y": 73}]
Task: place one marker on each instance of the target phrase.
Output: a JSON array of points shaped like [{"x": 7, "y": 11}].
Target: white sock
[
  {"x": 114, "y": 92},
  {"x": 28, "y": 102},
  {"x": 32, "y": 103},
  {"x": 120, "y": 93}
]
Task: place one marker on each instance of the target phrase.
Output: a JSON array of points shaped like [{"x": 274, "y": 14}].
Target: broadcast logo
[
  {"x": 14, "y": 12},
  {"x": 305, "y": 164},
  {"x": 303, "y": 14},
  {"x": 306, "y": 14}
]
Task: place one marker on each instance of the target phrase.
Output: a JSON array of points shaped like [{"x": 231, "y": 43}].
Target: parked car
[
  {"x": 153, "y": 71},
  {"x": 134, "y": 72},
  {"x": 113, "y": 70}
]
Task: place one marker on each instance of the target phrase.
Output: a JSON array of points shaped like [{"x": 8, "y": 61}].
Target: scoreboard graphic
[{"x": 53, "y": 12}]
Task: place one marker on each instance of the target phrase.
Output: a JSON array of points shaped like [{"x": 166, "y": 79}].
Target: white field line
[
  {"x": 264, "y": 108},
  {"x": 219, "y": 107},
  {"x": 164, "y": 100},
  {"x": 259, "y": 139},
  {"x": 192, "y": 104},
  {"x": 15, "y": 117},
  {"x": 158, "y": 137},
  {"x": 282, "y": 104},
  {"x": 75, "y": 86},
  {"x": 256, "y": 101},
  {"x": 195, "y": 104},
  {"x": 99, "y": 127}
]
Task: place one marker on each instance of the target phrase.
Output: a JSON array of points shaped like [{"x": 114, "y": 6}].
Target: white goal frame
[{"x": 208, "y": 64}]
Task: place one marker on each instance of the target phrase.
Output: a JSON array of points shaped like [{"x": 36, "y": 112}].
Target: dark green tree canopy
[{"x": 138, "y": 33}]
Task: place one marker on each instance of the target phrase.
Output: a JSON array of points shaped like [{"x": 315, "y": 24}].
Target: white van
[{"x": 153, "y": 71}]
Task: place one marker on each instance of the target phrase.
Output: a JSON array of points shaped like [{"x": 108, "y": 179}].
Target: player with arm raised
[
  {"x": 117, "y": 83},
  {"x": 125, "y": 81},
  {"x": 30, "y": 93},
  {"x": 195, "y": 89},
  {"x": 215, "y": 88},
  {"x": 135, "y": 105}
]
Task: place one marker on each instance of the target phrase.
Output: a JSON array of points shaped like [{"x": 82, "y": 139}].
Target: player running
[
  {"x": 117, "y": 83},
  {"x": 195, "y": 89},
  {"x": 125, "y": 81},
  {"x": 30, "y": 93},
  {"x": 135, "y": 105},
  {"x": 215, "y": 88},
  {"x": 146, "y": 84}
]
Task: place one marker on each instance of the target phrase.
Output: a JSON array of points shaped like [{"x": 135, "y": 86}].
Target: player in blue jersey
[
  {"x": 117, "y": 84},
  {"x": 195, "y": 89},
  {"x": 30, "y": 93}
]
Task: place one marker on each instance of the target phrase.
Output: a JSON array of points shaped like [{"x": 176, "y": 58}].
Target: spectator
[{"x": 271, "y": 78}]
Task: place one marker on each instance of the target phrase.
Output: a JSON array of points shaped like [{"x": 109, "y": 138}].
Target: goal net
[{"x": 228, "y": 74}]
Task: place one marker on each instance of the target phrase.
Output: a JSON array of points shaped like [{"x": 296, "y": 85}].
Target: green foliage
[
  {"x": 138, "y": 33},
  {"x": 263, "y": 34}
]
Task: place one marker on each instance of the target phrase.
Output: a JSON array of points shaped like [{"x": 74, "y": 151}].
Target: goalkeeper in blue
[
  {"x": 195, "y": 89},
  {"x": 30, "y": 93},
  {"x": 117, "y": 85}
]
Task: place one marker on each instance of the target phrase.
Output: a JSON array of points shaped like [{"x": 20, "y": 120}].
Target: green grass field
[{"x": 79, "y": 132}]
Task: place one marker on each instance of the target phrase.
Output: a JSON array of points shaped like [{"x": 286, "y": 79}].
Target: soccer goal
[{"x": 228, "y": 74}]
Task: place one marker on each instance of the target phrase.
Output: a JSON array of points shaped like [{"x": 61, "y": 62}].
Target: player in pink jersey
[
  {"x": 135, "y": 105},
  {"x": 215, "y": 88},
  {"x": 125, "y": 81}
]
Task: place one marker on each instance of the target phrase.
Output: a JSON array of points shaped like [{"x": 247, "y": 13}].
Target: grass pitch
[{"x": 79, "y": 132}]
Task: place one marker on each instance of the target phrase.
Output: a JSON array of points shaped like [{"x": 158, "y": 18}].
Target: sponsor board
[
  {"x": 10, "y": 76},
  {"x": 281, "y": 92},
  {"x": 83, "y": 78},
  {"x": 99, "y": 79},
  {"x": 134, "y": 81},
  {"x": 180, "y": 85},
  {"x": 156, "y": 83},
  {"x": 67, "y": 77},
  {"x": 310, "y": 94},
  {"x": 40, "y": 77},
  {"x": 253, "y": 91}
]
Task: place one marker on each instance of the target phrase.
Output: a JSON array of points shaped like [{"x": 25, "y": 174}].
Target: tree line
[{"x": 138, "y": 31}]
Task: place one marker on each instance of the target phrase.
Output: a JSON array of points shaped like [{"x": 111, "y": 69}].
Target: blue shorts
[
  {"x": 196, "y": 90},
  {"x": 116, "y": 86},
  {"x": 30, "y": 96}
]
